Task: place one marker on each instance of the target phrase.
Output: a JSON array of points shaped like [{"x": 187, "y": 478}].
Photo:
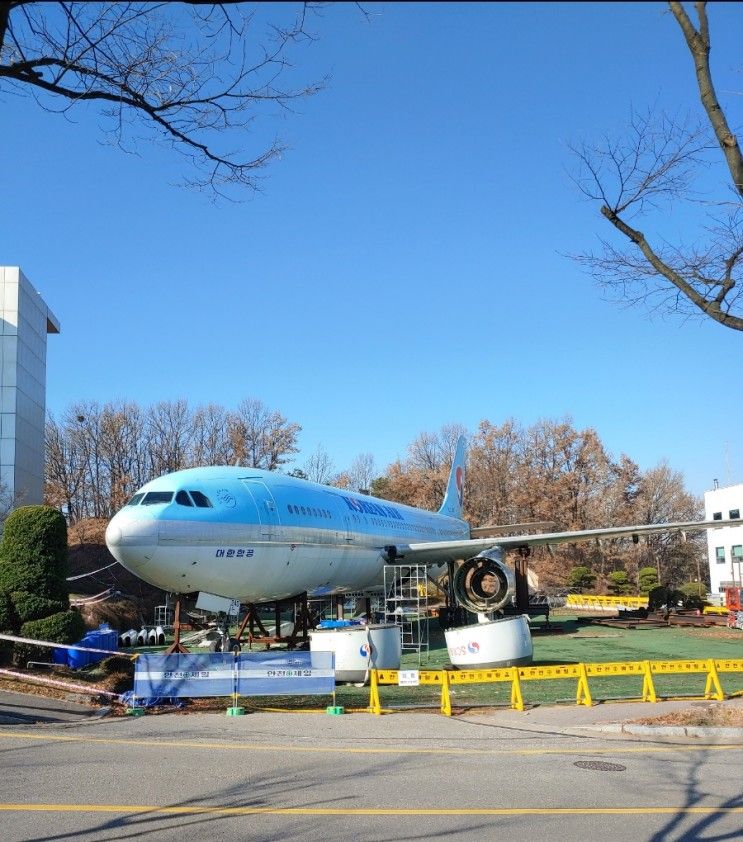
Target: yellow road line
[
  {"x": 342, "y": 749},
  {"x": 371, "y": 811}
]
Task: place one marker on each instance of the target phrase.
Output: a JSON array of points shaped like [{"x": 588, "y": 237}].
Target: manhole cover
[{"x": 599, "y": 765}]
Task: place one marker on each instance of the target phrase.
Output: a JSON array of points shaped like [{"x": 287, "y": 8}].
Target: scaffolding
[
  {"x": 164, "y": 614},
  {"x": 406, "y": 604}
]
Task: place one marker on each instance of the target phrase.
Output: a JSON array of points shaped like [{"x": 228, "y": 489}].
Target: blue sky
[{"x": 403, "y": 267}]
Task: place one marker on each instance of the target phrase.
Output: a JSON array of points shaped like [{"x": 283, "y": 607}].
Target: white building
[
  {"x": 725, "y": 546},
  {"x": 25, "y": 321}
]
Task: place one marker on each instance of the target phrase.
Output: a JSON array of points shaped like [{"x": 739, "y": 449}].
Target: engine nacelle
[{"x": 484, "y": 583}]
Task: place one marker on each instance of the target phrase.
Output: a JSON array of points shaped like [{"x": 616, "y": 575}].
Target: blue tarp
[{"x": 338, "y": 624}]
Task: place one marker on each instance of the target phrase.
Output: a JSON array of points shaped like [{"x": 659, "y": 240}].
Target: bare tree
[
  {"x": 210, "y": 436},
  {"x": 96, "y": 456},
  {"x": 319, "y": 466},
  {"x": 261, "y": 437},
  {"x": 170, "y": 436},
  {"x": 64, "y": 470},
  {"x": 493, "y": 473},
  {"x": 662, "y": 497},
  {"x": 655, "y": 167},
  {"x": 124, "y": 461},
  {"x": 195, "y": 75},
  {"x": 362, "y": 471}
]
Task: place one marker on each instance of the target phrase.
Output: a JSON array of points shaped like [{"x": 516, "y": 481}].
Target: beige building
[{"x": 26, "y": 321}]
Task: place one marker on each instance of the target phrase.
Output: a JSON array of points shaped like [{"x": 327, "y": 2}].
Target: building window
[
  {"x": 737, "y": 552},
  {"x": 717, "y": 516},
  {"x": 734, "y": 514},
  {"x": 720, "y": 555}
]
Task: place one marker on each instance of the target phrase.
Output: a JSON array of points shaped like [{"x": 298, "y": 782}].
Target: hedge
[
  {"x": 8, "y": 616},
  {"x": 29, "y": 606},
  {"x": 33, "y": 554},
  {"x": 62, "y": 627}
]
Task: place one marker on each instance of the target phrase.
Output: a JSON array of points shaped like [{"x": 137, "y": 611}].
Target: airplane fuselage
[{"x": 257, "y": 536}]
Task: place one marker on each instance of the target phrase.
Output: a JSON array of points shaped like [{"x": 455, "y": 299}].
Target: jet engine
[{"x": 484, "y": 583}]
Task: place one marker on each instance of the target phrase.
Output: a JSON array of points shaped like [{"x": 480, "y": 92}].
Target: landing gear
[
  {"x": 176, "y": 648},
  {"x": 225, "y": 643}
]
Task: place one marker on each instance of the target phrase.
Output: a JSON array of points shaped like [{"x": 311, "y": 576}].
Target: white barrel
[
  {"x": 358, "y": 649},
  {"x": 498, "y": 643}
]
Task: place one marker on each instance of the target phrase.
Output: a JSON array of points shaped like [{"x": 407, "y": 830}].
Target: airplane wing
[
  {"x": 500, "y": 529},
  {"x": 438, "y": 552}
]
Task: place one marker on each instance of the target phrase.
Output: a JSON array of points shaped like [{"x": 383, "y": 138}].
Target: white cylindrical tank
[
  {"x": 498, "y": 643},
  {"x": 358, "y": 649}
]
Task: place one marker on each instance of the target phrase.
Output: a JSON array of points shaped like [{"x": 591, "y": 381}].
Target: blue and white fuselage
[{"x": 257, "y": 535}]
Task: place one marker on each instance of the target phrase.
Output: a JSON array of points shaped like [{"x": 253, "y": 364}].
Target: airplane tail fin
[{"x": 454, "y": 496}]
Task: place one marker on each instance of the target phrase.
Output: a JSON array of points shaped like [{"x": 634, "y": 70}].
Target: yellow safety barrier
[
  {"x": 576, "y": 600},
  {"x": 581, "y": 672},
  {"x": 715, "y": 609}
]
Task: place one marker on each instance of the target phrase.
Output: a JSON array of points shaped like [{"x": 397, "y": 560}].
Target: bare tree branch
[
  {"x": 699, "y": 47},
  {"x": 196, "y": 76},
  {"x": 653, "y": 169}
]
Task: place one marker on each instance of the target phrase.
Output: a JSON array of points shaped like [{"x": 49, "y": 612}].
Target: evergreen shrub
[
  {"x": 33, "y": 555},
  {"x": 62, "y": 627},
  {"x": 581, "y": 579},
  {"x": 29, "y": 606},
  {"x": 8, "y": 615},
  {"x": 8, "y": 625}
]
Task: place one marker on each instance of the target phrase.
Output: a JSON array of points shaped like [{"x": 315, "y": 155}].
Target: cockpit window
[
  {"x": 201, "y": 500},
  {"x": 183, "y": 499},
  {"x": 135, "y": 500},
  {"x": 153, "y": 498}
]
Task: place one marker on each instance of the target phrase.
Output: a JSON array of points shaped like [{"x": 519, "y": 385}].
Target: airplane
[{"x": 259, "y": 536}]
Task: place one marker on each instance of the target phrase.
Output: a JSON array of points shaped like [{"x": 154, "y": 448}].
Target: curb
[{"x": 670, "y": 730}]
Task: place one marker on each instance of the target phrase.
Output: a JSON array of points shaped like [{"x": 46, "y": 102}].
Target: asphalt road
[{"x": 265, "y": 776}]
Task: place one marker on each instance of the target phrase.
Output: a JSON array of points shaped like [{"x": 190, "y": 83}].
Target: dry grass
[{"x": 712, "y": 715}]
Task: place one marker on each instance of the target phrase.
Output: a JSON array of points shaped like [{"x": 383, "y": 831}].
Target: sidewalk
[
  {"x": 618, "y": 717},
  {"x": 608, "y": 717},
  {"x": 29, "y": 709}
]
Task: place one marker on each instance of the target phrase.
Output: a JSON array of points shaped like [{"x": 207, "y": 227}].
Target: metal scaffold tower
[{"x": 406, "y": 604}]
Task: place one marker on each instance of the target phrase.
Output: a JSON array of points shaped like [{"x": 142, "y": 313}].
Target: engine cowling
[{"x": 484, "y": 583}]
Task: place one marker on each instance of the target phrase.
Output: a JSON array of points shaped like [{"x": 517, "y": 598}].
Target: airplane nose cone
[
  {"x": 114, "y": 536},
  {"x": 132, "y": 542}
]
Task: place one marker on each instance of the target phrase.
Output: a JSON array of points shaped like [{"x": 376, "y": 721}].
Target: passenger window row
[{"x": 308, "y": 510}]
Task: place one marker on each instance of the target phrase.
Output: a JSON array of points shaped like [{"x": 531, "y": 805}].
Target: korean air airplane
[{"x": 260, "y": 536}]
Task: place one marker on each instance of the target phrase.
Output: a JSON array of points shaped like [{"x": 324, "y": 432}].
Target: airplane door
[{"x": 267, "y": 509}]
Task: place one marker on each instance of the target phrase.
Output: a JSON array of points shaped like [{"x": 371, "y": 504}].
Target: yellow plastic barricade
[
  {"x": 580, "y": 672},
  {"x": 392, "y": 677},
  {"x": 605, "y": 603}
]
